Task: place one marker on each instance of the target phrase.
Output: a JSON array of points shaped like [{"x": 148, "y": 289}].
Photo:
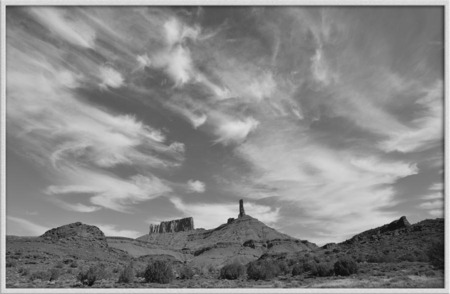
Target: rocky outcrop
[
  {"x": 373, "y": 234},
  {"x": 173, "y": 226},
  {"x": 77, "y": 233}
]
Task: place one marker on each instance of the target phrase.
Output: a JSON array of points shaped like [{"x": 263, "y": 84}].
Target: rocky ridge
[{"x": 401, "y": 223}]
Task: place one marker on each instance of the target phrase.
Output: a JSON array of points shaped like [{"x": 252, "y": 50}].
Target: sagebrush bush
[
  {"x": 186, "y": 273},
  {"x": 158, "y": 272},
  {"x": 297, "y": 270},
  {"x": 11, "y": 263},
  {"x": 232, "y": 271},
  {"x": 345, "y": 267},
  {"x": 262, "y": 270},
  {"x": 54, "y": 274},
  {"x": 94, "y": 273},
  {"x": 305, "y": 265},
  {"x": 127, "y": 274},
  {"x": 283, "y": 266},
  {"x": 436, "y": 254},
  {"x": 323, "y": 270},
  {"x": 24, "y": 271},
  {"x": 74, "y": 264},
  {"x": 40, "y": 275}
]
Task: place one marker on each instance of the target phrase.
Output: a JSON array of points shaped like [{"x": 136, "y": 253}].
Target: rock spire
[{"x": 241, "y": 208}]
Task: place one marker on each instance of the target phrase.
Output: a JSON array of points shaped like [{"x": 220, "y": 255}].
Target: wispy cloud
[
  {"x": 77, "y": 207},
  {"x": 427, "y": 130},
  {"x": 57, "y": 21},
  {"x": 196, "y": 186},
  {"x": 110, "y": 77},
  {"x": 235, "y": 131},
  {"x": 113, "y": 231},
  {"x": 437, "y": 187}
]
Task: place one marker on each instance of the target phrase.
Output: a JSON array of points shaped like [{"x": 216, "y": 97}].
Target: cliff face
[{"x": 178, "y": 225}]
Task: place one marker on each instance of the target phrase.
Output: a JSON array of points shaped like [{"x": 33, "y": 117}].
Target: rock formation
[
  {"x": 241, "y": 208},
  {"x": 178, "y": 225},
  {"x": 394, "y": 227},
  {"x": 77, "y": 233}
]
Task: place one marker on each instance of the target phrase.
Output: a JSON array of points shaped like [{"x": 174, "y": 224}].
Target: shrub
[
  {"x": 323, "y": 270},
  {"x": 305, "y": 266},
  {"x": 232, "y": 271},
  {"x": 408, "y": 257},
  {"x": 67, "y": 260},
  {"x": 262, "y": 270},
  {"x": 436, "y": 254},
  {"x": 283, "y": 266},
  {"x": 127, "y": 274},
  {"x": 94, "y": 273},
  {"x": 59, "y": 264},
  {"x": 74, "y": 264},
  {"x": 186, "y": 273},
  {"x": 345, "y": 267},
  {"x": 40, "y": 275},
  {"x": 24, "y": 271},
  {"x": 159, "y": 272},
  {"x": 297, "y": 270},
  {"x": 11, "y": 263},
  {"x": 54, "y": 274}
]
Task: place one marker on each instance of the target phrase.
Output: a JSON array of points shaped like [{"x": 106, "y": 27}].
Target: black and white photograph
[{"x": 210, "y": 148}]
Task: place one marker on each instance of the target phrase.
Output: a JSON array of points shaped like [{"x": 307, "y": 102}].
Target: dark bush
[
  {"x": 67, "y": 260},
  {"x": 74, "y": 264},
  {"x": 159, "y": 272},
  {"x": 283, "y": 266},
  {"x": 408, "y": 257},
  {"x": 262, "y": 270},
  {"x": 186, "y": 273},
  {"x": 94, "y": 273},
  {"x": 304, "y": 266},
  {"x": 323, "y": 270},
  {"x": 127, "y": 274},
  {"x": 11, "y": 263},
  {"x": 24, "y": 271},
  {"x": 345, "y": 267},
  {"x": 382, "y": 258},
  {"x": 297, "y": 270},
  {"x": 41, "y": 275},
  {"x": 436, "y": 254},
  {"x": 232, "y": 271},
  {"x": 54, "y": 274}
]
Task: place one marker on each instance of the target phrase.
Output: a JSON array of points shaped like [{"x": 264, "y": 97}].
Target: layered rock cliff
[{"x": 173, "y": 226}]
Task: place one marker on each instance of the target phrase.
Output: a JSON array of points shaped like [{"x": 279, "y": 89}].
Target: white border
[{"x": 5, "y": 3}]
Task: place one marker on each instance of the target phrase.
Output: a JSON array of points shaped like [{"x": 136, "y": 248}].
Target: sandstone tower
[{"x": 241, "y": 208}]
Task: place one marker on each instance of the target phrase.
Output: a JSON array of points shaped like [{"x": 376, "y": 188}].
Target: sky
[{"x": 326, "y": 121}]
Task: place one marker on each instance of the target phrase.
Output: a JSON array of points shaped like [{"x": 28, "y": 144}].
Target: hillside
[{"x": 243, "y": 239}]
